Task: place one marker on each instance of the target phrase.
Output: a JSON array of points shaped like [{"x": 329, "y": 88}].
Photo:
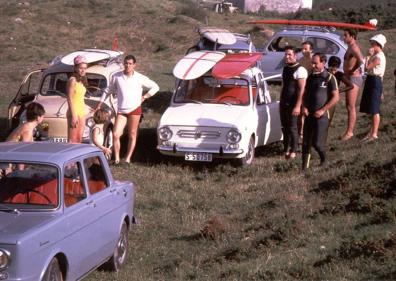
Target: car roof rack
[{"x": 311, "y": 28}]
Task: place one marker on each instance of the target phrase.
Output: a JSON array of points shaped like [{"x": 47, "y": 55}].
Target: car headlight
[
  {"x": 233, "y": 136},
  {"x": 4, "y": 258},
  {"x": 90, "y": 122},
  {"x": 164, "y": 133}
]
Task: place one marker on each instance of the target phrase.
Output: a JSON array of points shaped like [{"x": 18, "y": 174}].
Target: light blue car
[
  {"x": 327, "y": 41},
  {"x": 62, "y": 214}
]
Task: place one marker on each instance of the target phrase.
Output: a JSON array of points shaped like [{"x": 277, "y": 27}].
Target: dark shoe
[
  {"x": 115, "y": 163},
  {"x": 323, "y": 164}
]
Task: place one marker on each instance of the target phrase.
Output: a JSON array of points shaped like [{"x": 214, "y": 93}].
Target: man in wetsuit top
[
  {"x": 293, "y": 76},
  {"x": 321, "y": 93}
]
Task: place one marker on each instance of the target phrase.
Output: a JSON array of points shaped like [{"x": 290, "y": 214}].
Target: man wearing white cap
[{"x": 372, "y": 92}]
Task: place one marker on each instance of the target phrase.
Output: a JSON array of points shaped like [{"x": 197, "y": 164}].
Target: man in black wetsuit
[
  {"x": 321, "y": 93},
  {"x": 294, "y": 76}
]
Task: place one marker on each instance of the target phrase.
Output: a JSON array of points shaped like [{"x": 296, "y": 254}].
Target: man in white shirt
[{"x": 128, "y": 85}]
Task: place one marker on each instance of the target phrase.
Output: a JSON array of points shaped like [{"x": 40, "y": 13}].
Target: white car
[
  {"x": 219, "y": 118},
  {"x": 48, "y": 87}
]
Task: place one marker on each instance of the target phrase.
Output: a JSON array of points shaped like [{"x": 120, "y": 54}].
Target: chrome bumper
[{"x": 180, "y": 151}]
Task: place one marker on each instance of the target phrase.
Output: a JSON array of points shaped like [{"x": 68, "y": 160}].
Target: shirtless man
[{"x": 352, "y": 61}]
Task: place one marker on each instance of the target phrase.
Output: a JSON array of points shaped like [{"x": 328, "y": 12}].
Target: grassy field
[{"x": 268, "y": 221}]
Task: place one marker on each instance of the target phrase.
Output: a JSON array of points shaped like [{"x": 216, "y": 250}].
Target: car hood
[
  {"x": 13, "y": 226},
  {"x": 204, "y": 115}
]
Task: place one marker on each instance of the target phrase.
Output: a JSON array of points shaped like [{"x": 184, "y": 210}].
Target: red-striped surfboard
[{"x": 195, "y": 64}]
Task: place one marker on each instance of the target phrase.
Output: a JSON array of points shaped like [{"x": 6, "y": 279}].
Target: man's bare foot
[{"x": 292, "y": 155}]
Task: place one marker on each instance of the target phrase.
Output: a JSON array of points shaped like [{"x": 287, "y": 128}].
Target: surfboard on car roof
[
  {"x": 195, "y": 64},
  {"x": 91, "y": 55},
  {"x": 234, "y": 64},
  {"x": 219, "y": 35}
]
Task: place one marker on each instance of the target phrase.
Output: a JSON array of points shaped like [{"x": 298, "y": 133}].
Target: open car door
[{"x": 27, "y": 92}]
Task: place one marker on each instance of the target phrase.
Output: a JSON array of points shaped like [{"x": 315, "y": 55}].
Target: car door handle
[
  {"x": 92, "y": 202},
  {"x": 113, "y": 190}
]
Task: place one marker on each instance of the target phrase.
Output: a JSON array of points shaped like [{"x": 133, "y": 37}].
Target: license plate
[
  {"x": 58, "y": 140},
  {"x": 198, "y": 156}
]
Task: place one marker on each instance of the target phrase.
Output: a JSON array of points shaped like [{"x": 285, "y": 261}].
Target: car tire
[
  {"x": 118, "y": 260},
  {"x": 53, "y": 272},
  {"x": 249, "y": 156}
]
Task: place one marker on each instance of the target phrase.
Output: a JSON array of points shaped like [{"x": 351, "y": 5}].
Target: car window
[
  {"x": 31, "y": 85},
  {"x": 278, "y": 44},
  {"x": 56, "y": 83},
  {"x": 96, "y": 84},
  {"x": 210, "y": 90},
  {"x": 73, "y": 188},
  {"x": 95, "y": 174},
  {"x": 323, "y": 45},
  {"x": 29, "y": 185}
]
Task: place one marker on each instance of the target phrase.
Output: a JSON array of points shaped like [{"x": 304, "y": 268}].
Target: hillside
[{"x": 269, "y": 221}]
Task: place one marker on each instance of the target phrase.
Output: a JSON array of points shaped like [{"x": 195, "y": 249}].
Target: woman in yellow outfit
[{"x": 76, "y": 92}]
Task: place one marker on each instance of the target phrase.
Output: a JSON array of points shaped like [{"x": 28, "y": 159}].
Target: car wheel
[
  {"x": 117, "y": 261},
  {"x": 53, "y": 272},
  {"x": 248, "y": 158}
]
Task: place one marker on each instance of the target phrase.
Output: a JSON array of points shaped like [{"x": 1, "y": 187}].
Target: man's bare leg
[
  {"x": 133, "y": 127},
  {"x": 351, "y": 97},
  {"x": 118, "y": 130}
]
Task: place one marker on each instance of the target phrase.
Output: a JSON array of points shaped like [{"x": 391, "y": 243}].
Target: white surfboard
[
  {"x": 92, "y": 55},
  {"x": 222, "y": 36},
  {"x": 195, "y": 64}
]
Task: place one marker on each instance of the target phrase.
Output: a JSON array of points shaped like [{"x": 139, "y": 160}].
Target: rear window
[{"x": 325, "y": 46}]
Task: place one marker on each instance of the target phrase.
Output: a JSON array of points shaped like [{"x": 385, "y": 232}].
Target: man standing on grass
[
  {"x": 293, "y": 77},
  {"x": 321, "y": 93},
  {"x": 353, "y": 60},
  {"x": 129, "y": 85},
  {"x": 306, "y": 61}
]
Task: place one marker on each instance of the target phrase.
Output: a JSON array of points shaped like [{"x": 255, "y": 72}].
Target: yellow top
[{"x": 77, "y": 99}]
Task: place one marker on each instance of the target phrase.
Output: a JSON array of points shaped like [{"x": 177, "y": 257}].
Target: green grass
[{"x": 268, "y": 221}]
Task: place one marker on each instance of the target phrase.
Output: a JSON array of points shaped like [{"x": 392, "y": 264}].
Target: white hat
[{"x": 380, "y": 39}]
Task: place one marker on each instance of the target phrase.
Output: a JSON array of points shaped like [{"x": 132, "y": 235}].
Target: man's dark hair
[
  {"x": 33, "y": 111},
  {"x": 290, "y": 47},
  {"x": 322, "y": 57},
  {"x": 351, "y": 32},
  {"x": 334, "y": 61},
  {"x": 311, "y": 45},
  {"x": 130, "y": 57}
]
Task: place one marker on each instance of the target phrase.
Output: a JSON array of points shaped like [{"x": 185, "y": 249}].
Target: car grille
[{"x": 198, "y": 134}]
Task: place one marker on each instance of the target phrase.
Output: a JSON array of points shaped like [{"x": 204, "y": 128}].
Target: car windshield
[
  {"x": 55, "y": 84},
  {"x": 233, "y": 91},
  {"x": 28, "y": 186}
]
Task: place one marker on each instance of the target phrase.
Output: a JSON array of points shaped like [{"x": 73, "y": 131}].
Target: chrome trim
[
  {"x": 182, "y": 150},
  {"x": 198, "y": 134}
]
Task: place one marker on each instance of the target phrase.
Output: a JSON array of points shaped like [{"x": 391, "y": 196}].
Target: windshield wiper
[
  {"x": 6, "y": 209},
  {"x": 194, "y": 101},
  {"x": 225, "y": 102}
]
